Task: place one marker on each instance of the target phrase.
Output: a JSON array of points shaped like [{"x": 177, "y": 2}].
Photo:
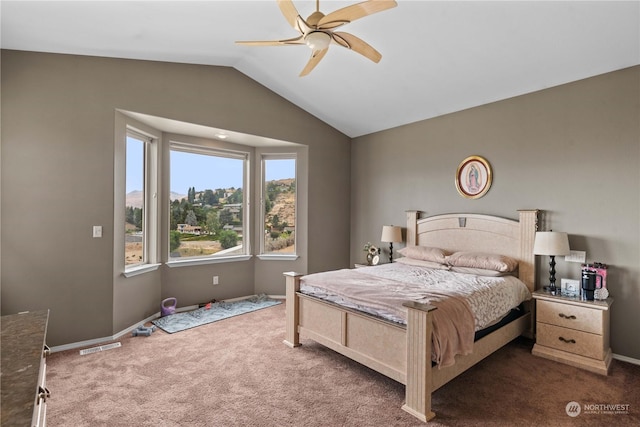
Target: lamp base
[{"x": 551, "y": 290}]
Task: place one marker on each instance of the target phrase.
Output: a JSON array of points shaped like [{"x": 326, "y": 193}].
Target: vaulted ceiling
[{"x": 438, "y": 57}]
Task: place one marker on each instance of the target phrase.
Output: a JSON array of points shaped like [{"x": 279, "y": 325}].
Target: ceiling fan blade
[
  {"x": 295, "y": 40},
  {"x": 353, "y": 12},
  {"x": 357, "y": 45},
  {"x": 315, "y": 59},
  {"x": 289, "y": 11}
]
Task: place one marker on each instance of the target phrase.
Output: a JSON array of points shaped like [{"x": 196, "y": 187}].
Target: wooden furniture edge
[
  {"x": 419, "y": 372},
  {"x": 595, "y": 305},
  {"x": 597, "y": 366},
  {"x": 292, "y": 286}
]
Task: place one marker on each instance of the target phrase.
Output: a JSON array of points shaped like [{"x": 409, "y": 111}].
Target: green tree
[
  {"x": 129, "y": 214},
  {"x": 236, "y": 197},
  {"x": 137, "y": 218},
  {"x": 191, "y": 218},
  {"x": 209, "y": 198},
  {"x": 175, "y": 214},
  {"x": 174, "y": 240},
  {"x": 275, "y": 222},
  {"x": 268, "y": 205},
  {"x": 226, "y": 217},
  {"x": 228, "y": 239},
  {"x": 213, "y": 224}
]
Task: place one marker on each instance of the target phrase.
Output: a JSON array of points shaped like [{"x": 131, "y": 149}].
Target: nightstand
[{"x": 573, "y": 331}]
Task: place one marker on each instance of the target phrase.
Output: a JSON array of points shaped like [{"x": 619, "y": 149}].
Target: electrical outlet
[
  {"x": 97, "y": 231},
  {"x": 576, "y": 256},
  {"x": 215, "y": 280}
]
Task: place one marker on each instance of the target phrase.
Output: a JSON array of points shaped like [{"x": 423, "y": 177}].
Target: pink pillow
[
  {"x": 425, "y": 253},
  {"x": 422, "y": 263},
  {"x": 482, "y": 260}
]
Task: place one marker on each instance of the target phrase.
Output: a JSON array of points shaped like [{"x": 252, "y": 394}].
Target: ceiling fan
[{"x": 317, "y": 31}]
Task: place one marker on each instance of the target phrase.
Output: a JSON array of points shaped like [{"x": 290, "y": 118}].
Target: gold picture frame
[{"x": 473, "y": 177}]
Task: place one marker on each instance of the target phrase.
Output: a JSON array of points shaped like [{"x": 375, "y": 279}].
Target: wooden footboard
[{"x": 403, "y": 354}]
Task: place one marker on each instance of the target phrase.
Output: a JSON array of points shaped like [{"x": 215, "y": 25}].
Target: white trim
[
  {"x": 277, "y": 257},
  {"x": 186, "y": 147},
  {"x": 141, "y": 269},
  {"x": 626, "y": 359},
  {"x": 264, "y": 157},
  {"x": 203, "y": 261},
  {"x": 98, "y": 341}
]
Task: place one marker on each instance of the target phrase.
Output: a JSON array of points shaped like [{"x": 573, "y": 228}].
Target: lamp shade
[
  {"x": 551, "y": 243},
  {"x": 391, "y": 234}
]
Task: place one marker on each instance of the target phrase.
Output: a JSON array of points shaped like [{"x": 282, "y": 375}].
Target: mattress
[{"x": 466, "y": 303}]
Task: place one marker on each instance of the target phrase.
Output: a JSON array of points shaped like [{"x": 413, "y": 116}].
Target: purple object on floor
[{"x": 168, "y": 306}]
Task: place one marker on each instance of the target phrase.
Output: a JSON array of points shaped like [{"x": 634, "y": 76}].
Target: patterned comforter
[{"x": 466, "y": 303}]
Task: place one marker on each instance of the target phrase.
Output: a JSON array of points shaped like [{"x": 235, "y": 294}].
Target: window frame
[
  {"x": 230, "y": 153},
  {"x": 150, "y": 258},
  {"x": 264, "y": 157}
]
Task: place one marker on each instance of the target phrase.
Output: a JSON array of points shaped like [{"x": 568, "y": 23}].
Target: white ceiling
[{"x": 438, "y": 57}]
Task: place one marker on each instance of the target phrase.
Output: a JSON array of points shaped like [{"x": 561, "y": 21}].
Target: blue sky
[{"x": 201, "y": 172}]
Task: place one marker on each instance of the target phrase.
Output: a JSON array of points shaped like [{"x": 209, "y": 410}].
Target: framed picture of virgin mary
[{"x": 473, "y": 177}]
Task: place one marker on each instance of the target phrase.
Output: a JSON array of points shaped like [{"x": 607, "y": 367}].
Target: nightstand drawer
[
  {"x": 570, "y": 316},
  {"x": 571, "y": 341}
]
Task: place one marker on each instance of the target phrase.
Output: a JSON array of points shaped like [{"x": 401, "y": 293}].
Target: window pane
[
  {"x": 206, "y": 205},
  {"x": 280, "y": 206},
  {"x": 134, "y": 251}
]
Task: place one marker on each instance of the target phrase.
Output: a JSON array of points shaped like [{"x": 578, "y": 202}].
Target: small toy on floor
[
  {"x": 143, "y": 330},
  {"x": 207, "y": 305}
]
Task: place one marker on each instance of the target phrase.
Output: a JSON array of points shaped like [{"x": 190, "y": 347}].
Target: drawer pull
[
  {"x": 571, "y": 341},
  {"x": 564, "y": 316}
]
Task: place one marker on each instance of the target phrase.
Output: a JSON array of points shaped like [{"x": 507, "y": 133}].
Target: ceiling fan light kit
[
  {"x": 317, "y": 30},
  {"x": 317, "y": 40}
]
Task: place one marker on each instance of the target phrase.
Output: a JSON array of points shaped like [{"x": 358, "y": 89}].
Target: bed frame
[{"x": 404, "y": 353}]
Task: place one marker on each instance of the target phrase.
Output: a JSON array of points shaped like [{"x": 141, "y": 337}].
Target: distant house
[
  {"x": 189, "y": 229},
  {"x": 236, "y": 228}
]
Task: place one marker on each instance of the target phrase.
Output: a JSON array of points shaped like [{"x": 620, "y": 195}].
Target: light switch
[{"x": 97, "y": 231}]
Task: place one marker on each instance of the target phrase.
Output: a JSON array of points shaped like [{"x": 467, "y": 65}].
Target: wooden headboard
[{"x": 480, "y": 233}]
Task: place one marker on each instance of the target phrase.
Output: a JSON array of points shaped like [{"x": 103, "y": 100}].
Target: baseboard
[
  {"x": 99, "y": 341},
  {"x": 626, "y": 359}
]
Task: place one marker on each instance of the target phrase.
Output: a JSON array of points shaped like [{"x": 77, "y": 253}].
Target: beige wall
[
  {"x": 572, "y": 151},
  {"x": 58, "y": 114}
]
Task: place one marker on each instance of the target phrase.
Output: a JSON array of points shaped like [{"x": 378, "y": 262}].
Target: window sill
[
  {"x": 134, "y": 271},
  {"x": 277, "y": 257},
  {"x": 204, "y": 261}
]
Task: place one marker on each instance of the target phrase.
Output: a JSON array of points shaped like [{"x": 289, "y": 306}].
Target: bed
[{"x": 402, "y": 349}]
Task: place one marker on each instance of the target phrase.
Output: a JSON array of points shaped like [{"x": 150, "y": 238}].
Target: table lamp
[
  {"x": 551, "y": 243},
  {"x": 391, "y": 234}
]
